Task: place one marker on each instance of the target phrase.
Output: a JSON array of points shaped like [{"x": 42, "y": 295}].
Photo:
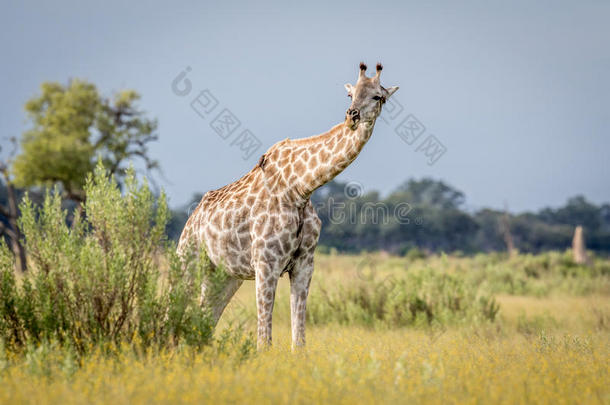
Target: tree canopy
[
  {"x": 71, "y": 127},
  {"x": 434, "y": 220}
]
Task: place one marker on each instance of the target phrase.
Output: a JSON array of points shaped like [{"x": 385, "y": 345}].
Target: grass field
[
  {"x": 341, "y": 365},
  {"x": 548, "y": 343}
]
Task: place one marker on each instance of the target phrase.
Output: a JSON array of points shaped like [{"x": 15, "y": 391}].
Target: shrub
[
  {"x": 98, "y": 280},
  {"x": 415, "y": 254},
  {"x": 417, "y": 298},
  {"x": 541, "y": 274}
]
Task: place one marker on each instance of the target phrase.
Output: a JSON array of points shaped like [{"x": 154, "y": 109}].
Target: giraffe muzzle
[{"x": 353, "y": 117}]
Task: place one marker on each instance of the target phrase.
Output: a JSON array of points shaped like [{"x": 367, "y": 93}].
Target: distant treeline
[{"x": 429, "y": 214}]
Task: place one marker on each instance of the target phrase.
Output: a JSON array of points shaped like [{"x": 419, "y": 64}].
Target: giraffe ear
[
  {"x": 349, "y": 88},
  {"x": 390, "y": 91}
]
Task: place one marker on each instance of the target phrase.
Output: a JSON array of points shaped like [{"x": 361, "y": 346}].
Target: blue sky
[{"x": 518, "y": 94}]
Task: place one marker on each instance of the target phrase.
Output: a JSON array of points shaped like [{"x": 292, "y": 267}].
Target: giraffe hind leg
[
  {"x": 215, "y": 295},
  {"x": 300, "y": 279},
  {"x": 300, "y": 275}
]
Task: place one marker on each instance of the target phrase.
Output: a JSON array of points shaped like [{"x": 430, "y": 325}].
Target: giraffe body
[
  {"x": 264, "y": 224},
  {"x": 247, "y": 216}
]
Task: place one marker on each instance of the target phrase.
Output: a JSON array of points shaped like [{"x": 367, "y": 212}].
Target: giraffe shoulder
[
  {"x": 278, "y": 145},
  {"x": 271, "y": 153}
]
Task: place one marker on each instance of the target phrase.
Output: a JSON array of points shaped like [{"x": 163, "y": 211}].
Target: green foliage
[
  {"x": 98, "y": 280},
  {"x": 436, "y": 221},
  {"x": 429, "y": 192},
  {"x": 415, "y": 254},
  {"x": 57, "y": 148},
  {"x": 415, "y": 298},
  {"x": 538, "y": 275},
  {"x": 71, "y": 126},
  {"x": 443, "y": 289}
]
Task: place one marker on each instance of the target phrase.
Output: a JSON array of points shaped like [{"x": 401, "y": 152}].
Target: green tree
[
  {"x": 71, "y": 126},
  {"x": 430, "y": 192},
  {"x": 577, "y": 211}
]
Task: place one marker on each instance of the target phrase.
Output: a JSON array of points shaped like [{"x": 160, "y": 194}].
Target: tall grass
[{"x": 346, "y": 365}]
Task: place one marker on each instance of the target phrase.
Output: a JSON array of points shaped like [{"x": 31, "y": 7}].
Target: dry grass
[
  {"x": 347, "y": 365},
  {"x": 574, "y": 314}
]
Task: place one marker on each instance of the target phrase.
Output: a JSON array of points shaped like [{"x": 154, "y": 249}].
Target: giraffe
[{"x": 264, "y": 225}]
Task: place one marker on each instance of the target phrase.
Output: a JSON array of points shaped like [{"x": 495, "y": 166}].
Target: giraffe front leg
[
  {"x": 300, "y": 279},
  {"x": 266, "y": 283}
]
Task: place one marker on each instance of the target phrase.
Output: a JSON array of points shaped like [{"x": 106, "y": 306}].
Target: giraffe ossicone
[{"x": 264, "y": 224}]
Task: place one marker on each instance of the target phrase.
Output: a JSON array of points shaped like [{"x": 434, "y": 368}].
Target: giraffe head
[{"x": 368, "y": 95}]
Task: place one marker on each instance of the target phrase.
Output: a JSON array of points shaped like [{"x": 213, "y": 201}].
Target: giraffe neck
[{"x": 329, "y": 154}]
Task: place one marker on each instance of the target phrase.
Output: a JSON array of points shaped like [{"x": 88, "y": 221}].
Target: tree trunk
[{"x": 13, "y": 213}]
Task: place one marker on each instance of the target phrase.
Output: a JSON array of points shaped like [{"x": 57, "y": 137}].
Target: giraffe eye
[{"x": 376, "y": 98}]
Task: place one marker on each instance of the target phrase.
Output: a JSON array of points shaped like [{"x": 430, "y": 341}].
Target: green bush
[
  {"x": 415, "y": 254},
  {"x": 98, "y": 280},
  {"x": 539, "y": 275},
  {"x": 417, "y": 298}
]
